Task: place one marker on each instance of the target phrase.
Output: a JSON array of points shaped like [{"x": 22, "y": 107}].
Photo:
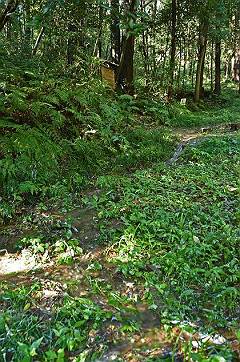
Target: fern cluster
[
  {"x": 59, "y": 132},
  {"x": 52, "y": 132}
]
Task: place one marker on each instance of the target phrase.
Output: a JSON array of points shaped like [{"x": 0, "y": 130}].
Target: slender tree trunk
[
  {"x": 7, "y": 12},
  {"x": 211, "y": 67},
  {"x": 179, "y": 65},
  {"x": 145, "y": 55},
  {"x": 145, "y": 47},
  {"x": 38, "y": 41},
  {"x": 27, "y": 28},
  {"x": 202, "y": 77},
  {"x": 163, "y": 73},
  {"x": 185, "y": 57},
  {"x": 228, "y": 68},
  {"x": 191, "y": 62},
  {"x": 126, "y": 70},
  {"x": 201, "y": 59},
  {"x": 101, "y": 15},
  {"x": 173, "y": 49},
  {"x": 97, "y": 49},
  {"x": 154, "y": 35},
  {"x": 217, "y": 88},
  {"x": 71, "y": 43},
  {"x": 115, "y": 32},
  {"x": 236, "y": 52}
]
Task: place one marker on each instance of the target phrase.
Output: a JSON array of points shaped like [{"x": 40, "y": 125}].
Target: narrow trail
[
  {"x": 24, "y": 269},
  {"x": 192, "y": 137}
]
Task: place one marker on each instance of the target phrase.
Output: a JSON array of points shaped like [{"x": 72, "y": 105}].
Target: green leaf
[{"x": 34, "y": 346}]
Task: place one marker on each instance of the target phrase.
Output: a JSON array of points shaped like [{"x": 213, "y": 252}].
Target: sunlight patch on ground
[{"x": 17, "y": 263}]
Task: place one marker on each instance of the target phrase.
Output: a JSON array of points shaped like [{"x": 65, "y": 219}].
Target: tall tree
[
  {"x": 236, "y": 50},
  {"x": 71, "y": 43},
  {"x": 219, "y": 34},
  {"x": 27, "y": 28},
  {"x": 203, "y": 33},
  {"x": 217, "y": 88},
  {"x": 115, "y": 31},
  {"x": 10, "y": 7},
  {"x": 173, "y": 47},
  {"x": 126, "y": 68}
]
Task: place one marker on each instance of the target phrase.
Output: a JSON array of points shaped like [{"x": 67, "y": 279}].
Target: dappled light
[
  {"x": 11, "y": 263},
  {"x": 119, "y": 181}
]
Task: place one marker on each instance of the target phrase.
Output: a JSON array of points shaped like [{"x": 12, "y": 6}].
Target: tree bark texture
[
  {"x": 201, "y": 59},
  {"x": 173, "y": 49},
  {"x": 115, "y": 32},
  {"x": 125, "y": 77},
  {"x": 217, "y": 88}
]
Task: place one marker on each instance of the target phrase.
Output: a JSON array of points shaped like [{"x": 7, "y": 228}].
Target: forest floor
[{"x": 142, "y": 267}]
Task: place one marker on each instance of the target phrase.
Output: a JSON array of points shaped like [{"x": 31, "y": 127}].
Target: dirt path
[
  {"x": 192, "y": 137},
  {"x": 92, "y": 270}
]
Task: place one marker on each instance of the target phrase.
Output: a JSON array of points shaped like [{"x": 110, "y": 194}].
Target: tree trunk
[
  {"x": 126, "y": 70},
  {"x": 115, "y": 32},
  {"x": 201, "y": 58},
  {"x": 101, "y": 16},
  {"x": 173, "y": 49},
  {"x": 97, "y": 50},
  {"x": 163, "y": 73},
  {"x": 71, "y": 43},
  {"x": 236, "y": 50},
  {"x": 179, "y": 64},
  {"x": 185, "y": 57},
  {"x": 9, "y": 9},
  {"x": 144, "y": 48},
  {"x": 236, "y": 66},
  {"x": 27, "y": 28},
  {"x": 154, "y": 39},
  {"x": 211, "y": 67},
  {"x": 38, "y": 41},
  {"x": 217, "y": 88}
]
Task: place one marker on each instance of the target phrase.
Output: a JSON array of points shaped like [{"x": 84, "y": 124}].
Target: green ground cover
[
  {"x": 177, "y": 243},
  {"x": 134, "y": 258},
  {"x": 181, "y": 230}
]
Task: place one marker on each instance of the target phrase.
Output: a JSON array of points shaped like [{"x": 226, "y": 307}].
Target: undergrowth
[
  {"x": 181, "y": 232},
  {"x": 177, "y": 246},
  {"x": 178, "y": 226},
  {"x": 57, "y": 132},
  {"x": 28, "y": 333},
  {"x": 60, "y": 132},
  {"x": 210, "y": 112}
]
